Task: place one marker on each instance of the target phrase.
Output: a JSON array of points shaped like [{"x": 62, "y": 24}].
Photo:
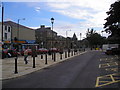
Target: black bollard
[
  {"x": 54, "y": 56},
  {"x": 41, "y": 56},
  {"x": 68, "y": 54},
  {"x": 16, "y": 65},
  {"x": 46, "y": 58},
  {"x": 74, "y": 53},
  {"x": 65, "y": 54},
  {"x": 61, "y": 56},
  {"x": 33, "y": 61},
  {"x": 71, "y": 53}
]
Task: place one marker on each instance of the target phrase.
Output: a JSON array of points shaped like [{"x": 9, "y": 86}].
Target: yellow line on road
[
  {"x": 106, "y": 84},
  {"x": 110, "y": 77},
  {"x": 108, "y": 64}
]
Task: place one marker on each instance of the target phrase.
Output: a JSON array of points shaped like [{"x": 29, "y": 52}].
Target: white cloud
[
  {"x": 92, "y": 11},
  {"x": 37, "y": 9}
]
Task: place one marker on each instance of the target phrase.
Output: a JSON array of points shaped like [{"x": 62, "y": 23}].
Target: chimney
[{"x": 42, "y": 26}]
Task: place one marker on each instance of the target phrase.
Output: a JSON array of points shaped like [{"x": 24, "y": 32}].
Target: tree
[
  {"x": 94, "y": 38},
  {"x": 111, "y": 25}
]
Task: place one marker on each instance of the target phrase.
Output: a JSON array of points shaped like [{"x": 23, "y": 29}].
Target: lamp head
[{"x": 52, "y": 20}]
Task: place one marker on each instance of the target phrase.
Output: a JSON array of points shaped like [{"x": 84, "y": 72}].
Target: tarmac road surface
[{"x": 78, "y": 72}]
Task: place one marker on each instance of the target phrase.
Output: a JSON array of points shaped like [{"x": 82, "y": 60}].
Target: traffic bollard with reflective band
[{"x": 16, "y": 65}]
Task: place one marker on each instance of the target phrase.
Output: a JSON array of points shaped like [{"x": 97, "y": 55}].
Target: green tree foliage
[
  {"x": 94, "y": 38},
  {"x": 111, "y": 25}
]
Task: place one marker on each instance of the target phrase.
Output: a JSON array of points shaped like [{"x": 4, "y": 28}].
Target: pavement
[{"x": 8, "y": 65}]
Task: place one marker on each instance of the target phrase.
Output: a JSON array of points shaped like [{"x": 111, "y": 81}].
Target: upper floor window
[
  {"x": 5, "y": 27},
  {"x": 9, "y": 29}
]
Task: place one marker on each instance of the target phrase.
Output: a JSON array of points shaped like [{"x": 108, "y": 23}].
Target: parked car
[
  {"x": 112, "y": 51},
  {"x": 10, "y": 53},
  {"x": 51, "y": 50},
  {"x": 54, "y": 50},
  {"x": 42, "y": 51}
]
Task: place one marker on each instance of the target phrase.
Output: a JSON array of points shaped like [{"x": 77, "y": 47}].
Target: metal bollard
[
  {"x": 54, "y": 56},
  {"x": 33, "y": 61},
  {"x": 72, "y": 53},
  {"x": 68, "y": 54},
  {"x": 61, "y": 56},
  {"x": 46, "y": 58},
  {"x": 65, "y": 54},
  {"x": 16, "y": 65},
  {"x": 41, "y": 56}
]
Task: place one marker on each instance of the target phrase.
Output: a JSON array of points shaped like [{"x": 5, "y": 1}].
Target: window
[
  {"x": 9, "y": 29},
  {"x": 5, "y": 27},
  {"x": 5, "y": 35}
]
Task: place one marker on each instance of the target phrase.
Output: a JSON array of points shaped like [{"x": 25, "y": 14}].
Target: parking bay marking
[
  {"x": 108, "y": 59},
  {"x": 107, "y": 79},
  {"x": 108, "y": 64},
  {"x": 112, "y": 69}
]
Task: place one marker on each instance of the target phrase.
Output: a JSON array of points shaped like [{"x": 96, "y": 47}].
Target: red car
[
  {"x": 10, "y": 53},
  {"x": 42, "y": 51}
]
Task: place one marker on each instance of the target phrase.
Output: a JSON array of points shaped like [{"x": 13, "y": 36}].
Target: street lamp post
[
  {"x": 18, "y": 32},
  {"x": 80, "y": 36},
  {"x": 67, "y": 44},
  {"x": 52, "y": 21}
]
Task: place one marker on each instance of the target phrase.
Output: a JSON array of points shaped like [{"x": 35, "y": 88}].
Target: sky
[{"x": 71, "y": 16}]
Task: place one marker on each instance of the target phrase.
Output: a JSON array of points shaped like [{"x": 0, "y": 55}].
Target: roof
[
  {"x": 13, "y": 24},
  {"x": 46, "y": 29}
]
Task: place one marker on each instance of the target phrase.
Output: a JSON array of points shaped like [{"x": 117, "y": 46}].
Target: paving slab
[{"x": 8, "y": 65}]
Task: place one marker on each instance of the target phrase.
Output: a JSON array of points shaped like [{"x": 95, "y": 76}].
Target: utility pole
[{"x": 2, "y": 21}]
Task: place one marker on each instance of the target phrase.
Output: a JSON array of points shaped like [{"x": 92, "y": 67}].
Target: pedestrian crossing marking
[
  {"x": 108, "y": 64},
  {"x": 107, "y": 79}
]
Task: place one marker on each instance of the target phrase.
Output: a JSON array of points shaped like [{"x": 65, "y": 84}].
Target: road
[{"x": 78, "y": 72}]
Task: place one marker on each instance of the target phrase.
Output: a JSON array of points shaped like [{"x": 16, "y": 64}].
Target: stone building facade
[{"x": 14, "y": 33}]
